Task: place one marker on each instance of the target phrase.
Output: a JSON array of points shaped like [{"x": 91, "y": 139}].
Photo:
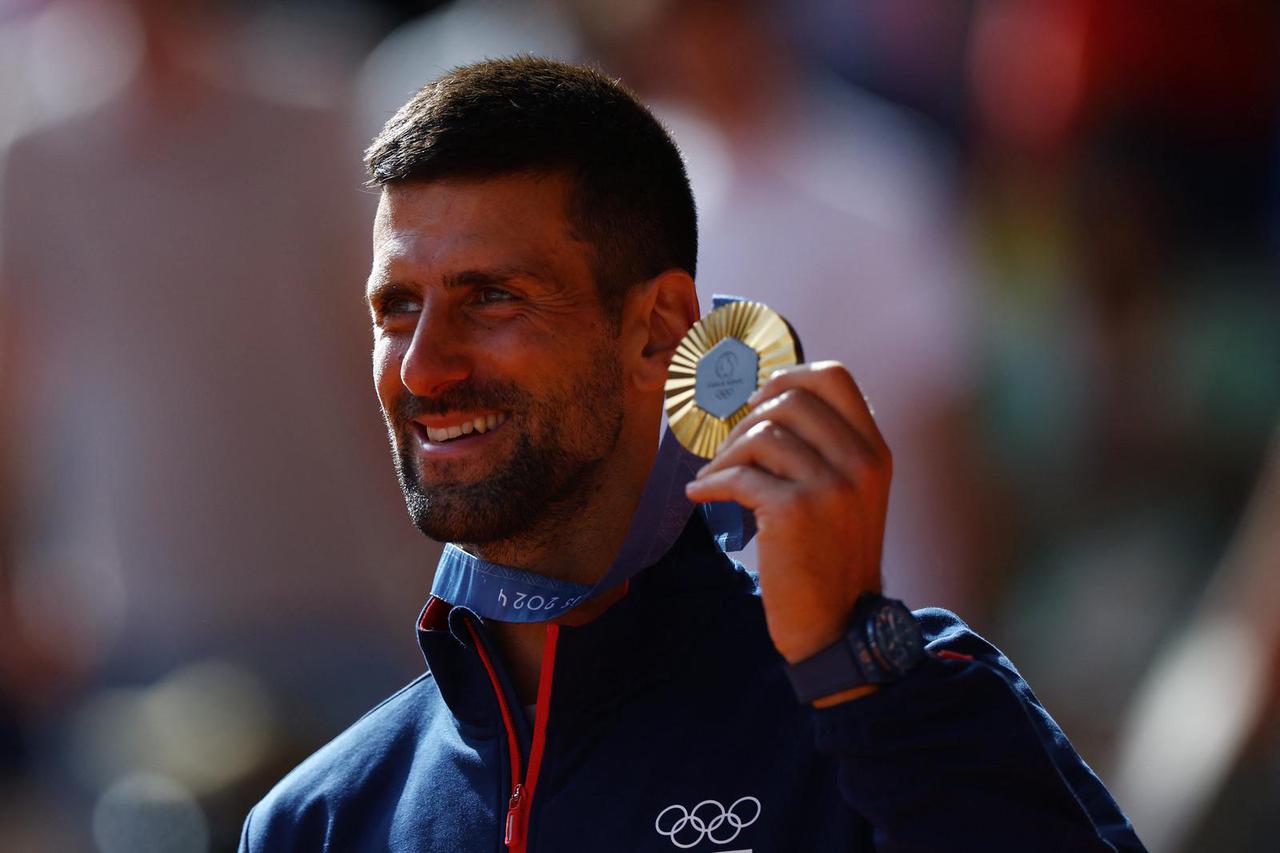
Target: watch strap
[
  {"x": 851, "y": 661},
  {"x": 835, "y": 668}
]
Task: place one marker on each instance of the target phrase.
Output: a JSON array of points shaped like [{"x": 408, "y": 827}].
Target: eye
[
  {"x": 401, "y": 305},
  {"x": 489, "y": 295},
  {"x": 395, "y": 305}
]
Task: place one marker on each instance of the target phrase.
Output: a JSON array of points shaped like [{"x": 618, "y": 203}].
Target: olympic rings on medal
[{"x": 707, "y": 820}]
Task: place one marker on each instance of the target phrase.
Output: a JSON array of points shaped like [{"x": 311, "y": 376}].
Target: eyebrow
[{"x": 492, "y": 275}]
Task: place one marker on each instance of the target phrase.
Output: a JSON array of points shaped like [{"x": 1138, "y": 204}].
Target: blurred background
[{"x": 1044, "y": 234}]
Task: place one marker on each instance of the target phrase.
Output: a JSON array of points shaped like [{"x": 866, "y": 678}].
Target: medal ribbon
[{"x": 507, "y": 594}]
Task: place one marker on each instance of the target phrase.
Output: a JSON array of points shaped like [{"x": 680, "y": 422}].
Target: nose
[{"x": 437, "y": 356}]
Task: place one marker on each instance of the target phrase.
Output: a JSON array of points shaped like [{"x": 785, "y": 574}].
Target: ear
[{"x": 655, "y": 319}]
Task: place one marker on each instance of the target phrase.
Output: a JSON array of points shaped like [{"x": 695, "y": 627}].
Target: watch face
[{"x": 897, "y": 636}]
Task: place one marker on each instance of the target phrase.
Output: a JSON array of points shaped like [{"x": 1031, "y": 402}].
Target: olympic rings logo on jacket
[{"x": 707, "y": 820}]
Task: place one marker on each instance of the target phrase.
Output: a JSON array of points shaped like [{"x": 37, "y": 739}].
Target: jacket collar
[{"x": 666, "y": 614}]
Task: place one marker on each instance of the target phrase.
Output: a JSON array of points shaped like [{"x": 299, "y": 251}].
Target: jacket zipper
[{"x": 516, "y": 826}]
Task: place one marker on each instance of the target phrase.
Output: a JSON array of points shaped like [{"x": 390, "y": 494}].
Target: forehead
[{"x": 427, "y": 226}]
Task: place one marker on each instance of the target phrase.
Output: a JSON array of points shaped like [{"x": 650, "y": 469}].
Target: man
[{"x": 533, "y": 273}]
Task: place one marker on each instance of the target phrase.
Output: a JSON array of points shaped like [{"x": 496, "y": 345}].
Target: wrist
[
  {"x": 816, "y": 628},
  {"x": 796, "y": 649},
  {"x": 882, "y": 643}
]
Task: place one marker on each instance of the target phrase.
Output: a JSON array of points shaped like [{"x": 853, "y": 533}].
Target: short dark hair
[{"x": 630, "y": 196}]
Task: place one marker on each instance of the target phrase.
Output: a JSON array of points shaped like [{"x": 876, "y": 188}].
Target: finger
[
  {"x": 833, "y": 383},
  {"x": 746, "y": 484},
  {"x": 778, "y": 451},
  {"x": 814, "y": 421}
]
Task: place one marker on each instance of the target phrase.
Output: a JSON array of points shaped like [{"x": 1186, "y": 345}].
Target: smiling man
[
  {"x": 501, "y": 385},
  {"x": 533, "y": 274}
]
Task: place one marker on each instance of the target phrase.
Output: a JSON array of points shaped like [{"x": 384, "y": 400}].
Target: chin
[
  {"x": 471, "y": 522},
  {"x": 487, "y": 510}
]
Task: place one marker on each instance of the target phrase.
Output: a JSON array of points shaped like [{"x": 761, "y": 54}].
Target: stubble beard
[{"x": 549, "y": 477}]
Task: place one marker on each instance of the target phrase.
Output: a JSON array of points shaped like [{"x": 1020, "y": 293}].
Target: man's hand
[{"x": 811, "y": 464}]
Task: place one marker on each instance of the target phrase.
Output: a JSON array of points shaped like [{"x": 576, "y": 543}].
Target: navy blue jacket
[{"x": 668, "y": 724}]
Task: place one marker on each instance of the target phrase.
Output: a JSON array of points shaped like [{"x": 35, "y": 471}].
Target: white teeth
[{"x": 480, "y": 424}]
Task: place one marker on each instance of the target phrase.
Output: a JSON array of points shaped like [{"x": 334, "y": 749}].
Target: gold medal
[{"x": 722, "y": 360}]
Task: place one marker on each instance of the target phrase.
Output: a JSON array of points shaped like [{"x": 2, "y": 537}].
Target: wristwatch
[{"x": 882, "y": 645}]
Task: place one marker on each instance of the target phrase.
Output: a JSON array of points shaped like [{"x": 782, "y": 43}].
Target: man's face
[{"x": 498, "y": 374}]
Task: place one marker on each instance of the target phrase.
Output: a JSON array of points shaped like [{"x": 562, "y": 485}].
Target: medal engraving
[
  {"x": 726, "y": 377},
  {"x": 722, "y": 360}
]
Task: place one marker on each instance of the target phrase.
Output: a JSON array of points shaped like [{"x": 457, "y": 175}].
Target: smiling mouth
[{"x": 450, "y": 432}]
